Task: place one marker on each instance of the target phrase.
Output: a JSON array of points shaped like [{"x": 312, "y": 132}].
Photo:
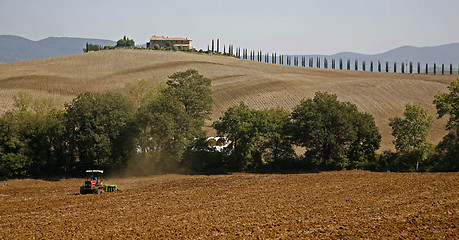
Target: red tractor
[{"x": 93, "y": 183}]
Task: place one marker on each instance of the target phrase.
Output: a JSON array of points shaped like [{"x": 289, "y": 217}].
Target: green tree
[
  {"x": 193, "y": 91},
  {"x": 99, "y": 128},
  {"x": 239, "y": 124},
  {"x": 410, "y": 134},
  {"x": 14, "y": 165},
  {"x": 447, "y": 151},
  {"x": 34, "y": 129},
  {"x": 277, "y": 147},
  {"x": 174, "y": 119},
  {"x": 125, "y": 42},
  {"x": 169, "y": 132},
  {"x": 331, "y": 131},
  {"x": 258, "y": 138},
  {"x": 142, "y": 92}
]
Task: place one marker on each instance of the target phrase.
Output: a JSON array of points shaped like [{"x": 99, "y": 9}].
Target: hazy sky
[{"x": 283, "y": 26}]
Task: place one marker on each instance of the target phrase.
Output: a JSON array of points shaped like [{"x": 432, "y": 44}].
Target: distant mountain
[{"x": 15, "y": 48}]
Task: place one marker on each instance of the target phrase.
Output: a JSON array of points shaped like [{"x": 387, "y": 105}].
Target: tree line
[
  {"x": 124, "y": 42},
  {"x": 294, "y": 60},
  {"x": 158, "y": 128}
]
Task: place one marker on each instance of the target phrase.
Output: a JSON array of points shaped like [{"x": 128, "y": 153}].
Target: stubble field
[
  {"x": 329, "y": 205},
  {"x": 260, "y": 85}
]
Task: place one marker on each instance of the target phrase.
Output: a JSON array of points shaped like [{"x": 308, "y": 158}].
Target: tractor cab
[{"x": 93, "y": 183}]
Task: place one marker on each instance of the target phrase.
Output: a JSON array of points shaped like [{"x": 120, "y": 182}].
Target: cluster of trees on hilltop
[
  {"x": 156, "y": 129},
  {"x": 125, "y": 42}
]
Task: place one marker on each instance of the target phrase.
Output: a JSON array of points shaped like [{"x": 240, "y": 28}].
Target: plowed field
[{"x": 329, "y": 205}]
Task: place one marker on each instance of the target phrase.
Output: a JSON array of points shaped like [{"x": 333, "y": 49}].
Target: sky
[{"x": 282, "y": 26}]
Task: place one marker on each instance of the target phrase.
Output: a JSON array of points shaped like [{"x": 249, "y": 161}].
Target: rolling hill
[{"x": 260, "y": 85}]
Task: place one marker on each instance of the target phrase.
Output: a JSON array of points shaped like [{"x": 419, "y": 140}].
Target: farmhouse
[{"x": 166, "y": 41}]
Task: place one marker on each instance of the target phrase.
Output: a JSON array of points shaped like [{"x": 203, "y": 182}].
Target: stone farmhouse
[{"x": 162, "y": 42}]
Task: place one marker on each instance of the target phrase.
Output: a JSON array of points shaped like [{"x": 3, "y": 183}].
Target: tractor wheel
[{"x": 82, "y": 190}]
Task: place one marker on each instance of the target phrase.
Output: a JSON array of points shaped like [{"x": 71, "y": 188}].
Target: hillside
[
  {"x": 260, "y": 85},
  {"x": 15, "y": 48}
]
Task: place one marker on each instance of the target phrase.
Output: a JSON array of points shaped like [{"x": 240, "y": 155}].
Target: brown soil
[{"x": 329, "y": 205}]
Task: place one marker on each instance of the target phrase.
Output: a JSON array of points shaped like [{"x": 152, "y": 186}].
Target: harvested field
[
  {"x": 260, "y": 85},
  {"x": 328, "y": 205}
]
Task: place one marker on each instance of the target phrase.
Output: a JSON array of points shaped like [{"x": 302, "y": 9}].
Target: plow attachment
[{"x": 110, "y": 188}]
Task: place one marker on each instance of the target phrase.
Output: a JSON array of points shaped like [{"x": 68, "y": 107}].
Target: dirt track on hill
[{"x": 329, "y": 205}]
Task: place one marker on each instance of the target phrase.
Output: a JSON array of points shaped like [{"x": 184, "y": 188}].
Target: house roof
[{"x": 155, "y": 38}]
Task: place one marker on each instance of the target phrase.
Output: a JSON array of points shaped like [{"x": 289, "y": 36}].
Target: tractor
[{"x": 93, "y": 183}]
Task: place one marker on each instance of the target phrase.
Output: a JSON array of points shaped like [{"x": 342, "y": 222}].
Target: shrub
[{"x": 13, "y": 165}]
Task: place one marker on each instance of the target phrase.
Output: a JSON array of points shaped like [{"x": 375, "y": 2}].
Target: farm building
[{"x": 163, "y": 42}]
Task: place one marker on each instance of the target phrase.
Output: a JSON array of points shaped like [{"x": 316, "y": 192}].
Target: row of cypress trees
[{"x": 294, "y": 60}]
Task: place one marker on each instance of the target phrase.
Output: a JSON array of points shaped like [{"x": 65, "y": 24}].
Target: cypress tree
[
  {"x": 348, "y": 64},
  {"x": 371, "y": 66},
  {"x": 325, "y": 63},
  {"x": 341, "y": 64},
  {"x": 363, "y": 66},
  {"x": 212, "y": 45},
  {"x": 403, "y": 67},
  {"x": 379, "y": 66},
  {"x": 224, "y": 49},
  {"x": 218, "y": 45},
  {"x": 442, "y": 69},
  {"x": 427, "y": 68},
  {"x": 356, "y": 65},
  {"x": 387, "y": 66},
  {"x": 419, "y": 68},
  {"x": 435, "y": 68},
  {"x": 395, "y": 67},
  {"x": 450, "y": 69},
  {"x": 411, "y": 67}
]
